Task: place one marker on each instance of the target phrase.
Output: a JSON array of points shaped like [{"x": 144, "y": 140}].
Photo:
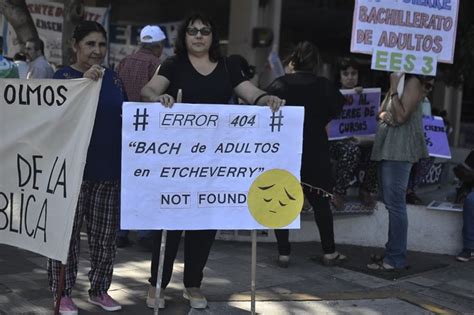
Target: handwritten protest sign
[
  {"x": 45, "y": 127},
  {"x": 358, "y": 116},
  {"x": 405, "y": 36},
  {"x": 124, "y": 39},
  {"x": 436, "y": 138},
  {"x": 191, "y": 167}
]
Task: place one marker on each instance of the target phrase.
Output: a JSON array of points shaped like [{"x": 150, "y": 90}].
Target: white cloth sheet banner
[
  {"x": 190, "y": 167},
  {"x": 45, "y": 127}
]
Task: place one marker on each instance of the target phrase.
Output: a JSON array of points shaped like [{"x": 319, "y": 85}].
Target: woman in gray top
[{"x": 399, "y": 143}]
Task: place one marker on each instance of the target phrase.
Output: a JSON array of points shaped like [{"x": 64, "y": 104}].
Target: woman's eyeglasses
[
  {"x": 192, "y": 31},
  {"x": 429, "y": 86}
]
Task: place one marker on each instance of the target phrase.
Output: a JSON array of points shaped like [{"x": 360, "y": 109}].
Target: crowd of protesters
[{"x": 198, "y": 73}]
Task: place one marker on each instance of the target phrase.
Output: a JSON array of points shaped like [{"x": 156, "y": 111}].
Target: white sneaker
[
  {"x": 283, "y": 261},
  {"x": 150, "y": 298},
  {"x": 195, "y": 297}
]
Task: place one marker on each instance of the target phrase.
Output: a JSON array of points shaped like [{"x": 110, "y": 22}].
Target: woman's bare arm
[
  {"x": 250, "y": 93},
  {"x": 401, "y": 108},
  {"x": 154, "y": 89}
]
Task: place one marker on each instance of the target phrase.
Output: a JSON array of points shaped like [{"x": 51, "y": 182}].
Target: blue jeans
[
  {"x": 393, "y": 179},
  {"x": 468, "y": 222}
]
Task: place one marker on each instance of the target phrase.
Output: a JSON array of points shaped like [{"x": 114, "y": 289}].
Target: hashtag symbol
[
  {"x": 140, "y": 119},
  {"x": 276, "y": 121}
]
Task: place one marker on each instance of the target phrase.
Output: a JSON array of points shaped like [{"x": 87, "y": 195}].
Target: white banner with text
[{"x": 45, "y": 127}]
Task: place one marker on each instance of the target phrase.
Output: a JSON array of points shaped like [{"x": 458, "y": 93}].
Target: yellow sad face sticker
[{"x": 275, "y": 198}]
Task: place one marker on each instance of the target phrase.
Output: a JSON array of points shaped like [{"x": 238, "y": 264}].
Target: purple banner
[
  {"x": 435, "y": 137},
  {"x": 358, "y": 116}
]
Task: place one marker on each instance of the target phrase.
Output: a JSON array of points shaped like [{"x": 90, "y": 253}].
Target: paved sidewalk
[{"x": 306, "y": 287}]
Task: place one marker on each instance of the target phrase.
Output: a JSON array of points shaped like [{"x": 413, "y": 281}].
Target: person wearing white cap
[{"x": 135, "y": 71}]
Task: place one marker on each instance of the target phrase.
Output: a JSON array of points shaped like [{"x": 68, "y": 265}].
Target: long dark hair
[
  {"x": 305, "y": 57},
  {"x": 84, "y": 28},
  {"x": 180, "y": 45}
]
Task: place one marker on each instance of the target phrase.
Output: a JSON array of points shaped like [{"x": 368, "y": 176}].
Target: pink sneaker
[
  {"x": 106, "y": 302},
  {"x": 67, "y": 306}
]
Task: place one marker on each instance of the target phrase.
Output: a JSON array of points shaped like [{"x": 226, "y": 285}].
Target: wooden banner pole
[
  {"x": 59, "y": 294},
  {"x": 160, "y": 272},
  {"x": 254, "y": 271}
]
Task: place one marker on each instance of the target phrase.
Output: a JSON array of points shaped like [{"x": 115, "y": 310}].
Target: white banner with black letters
[{"x": 45, "y": 128}]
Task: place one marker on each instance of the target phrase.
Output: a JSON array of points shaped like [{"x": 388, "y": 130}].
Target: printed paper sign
[
  {"x": 444, "y": 206},
  {"x": 436, "y": 138},
  {"x": 45, "y": 127},
  {"x": 275, "y": 198},
  {"x": 191, "y": 167},
  {"x": 358, "y": 116},
  {"x": 411, "y": 36}
]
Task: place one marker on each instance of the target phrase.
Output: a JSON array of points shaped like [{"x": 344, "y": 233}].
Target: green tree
[{"x": 17, "y": 14}]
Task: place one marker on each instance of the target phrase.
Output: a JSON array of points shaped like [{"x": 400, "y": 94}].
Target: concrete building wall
[{"x": 430, "y": 231}]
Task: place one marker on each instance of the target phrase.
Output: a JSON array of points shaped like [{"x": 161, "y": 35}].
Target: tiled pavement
[{"x": 306, "y": 287}]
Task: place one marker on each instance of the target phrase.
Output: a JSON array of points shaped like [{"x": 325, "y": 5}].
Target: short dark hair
[
  {"x": 343, "y": 65},
  {"x": 346, "y": 63},
  {"x": 180, "y": 44},
  {"x": 426, "y": 78},
  {"x": 420, "y": 77},
  {"x": 152, "y": 45},
  {"x": 84, "y": 28},
  {"x": 38, "y": 44},
  {"x": 305, "y": 57}
]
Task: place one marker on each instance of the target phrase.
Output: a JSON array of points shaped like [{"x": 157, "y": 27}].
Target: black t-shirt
[
  {"x": 322, "y": 102},
  {"x": 214, "y": 88}
]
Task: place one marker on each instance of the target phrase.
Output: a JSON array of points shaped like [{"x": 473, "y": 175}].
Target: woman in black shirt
[
  {"x": 204, "y": 77},
  {"x": 322, "y": 102}
]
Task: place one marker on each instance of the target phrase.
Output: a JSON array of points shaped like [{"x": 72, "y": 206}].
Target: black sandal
[
  {"x": 339, "y": 258},
  {"x": 381, "y": 266},
  {"x": 376, "y": 257}
]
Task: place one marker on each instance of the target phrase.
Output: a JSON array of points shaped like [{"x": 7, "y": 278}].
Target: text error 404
[{"x": 199, "y": 120}]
